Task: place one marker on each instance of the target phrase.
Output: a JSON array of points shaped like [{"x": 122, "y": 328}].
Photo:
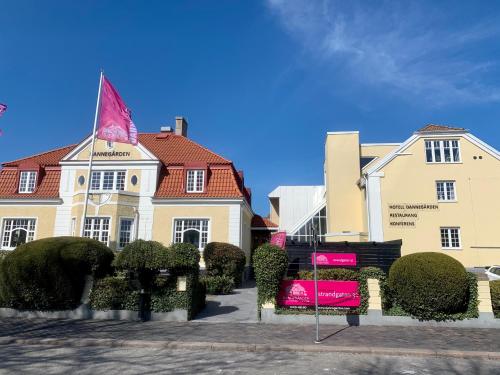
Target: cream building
[
  {"x": 167, "y": 188},
  {"x": 437, "y": 191}
]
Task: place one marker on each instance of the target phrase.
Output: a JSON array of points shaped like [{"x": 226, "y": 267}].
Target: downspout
[{"x": 368, "y": 206}]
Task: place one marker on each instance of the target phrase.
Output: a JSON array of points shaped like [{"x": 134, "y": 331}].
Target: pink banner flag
[
  {"x": 115, "y": 119},
  {"x": 279, "y": 239},
  {"x": 331, "y": 293},
  {"x": 334, "y": 259},
  {"x": 3, "y": 108}
]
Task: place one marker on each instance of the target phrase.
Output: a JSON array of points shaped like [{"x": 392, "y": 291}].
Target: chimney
[{"x": 181, "y": 126}]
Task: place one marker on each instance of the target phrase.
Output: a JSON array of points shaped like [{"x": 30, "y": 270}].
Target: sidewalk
[{"x": 447, "y": 342}]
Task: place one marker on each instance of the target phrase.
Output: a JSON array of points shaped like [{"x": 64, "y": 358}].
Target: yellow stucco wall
[
  {"x": 163, "y": 219},
  {"x": 408, "y": 179},
  {"x": 341, "y": 174},
  {"x": 45, "y": 216},
  {"x": 100, "y": 146},
  {"x": 378, "y": 151},
  {"x": 246, "y": 235}
]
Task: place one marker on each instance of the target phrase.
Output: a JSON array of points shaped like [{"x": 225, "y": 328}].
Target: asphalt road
[{"x": 15, "y": 359}]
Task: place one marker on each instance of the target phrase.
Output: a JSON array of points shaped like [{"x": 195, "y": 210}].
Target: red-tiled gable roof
[
  {"x": 176, "y": 149},
  {"x": 172, "y": 150},
  {"x": 262, "y": 222},
  {"x": 46, "y": 158},
  {"x": 439, "y": 128},
  {"x": 48, "y": 187},
  {"x": 220, "y": 184}
]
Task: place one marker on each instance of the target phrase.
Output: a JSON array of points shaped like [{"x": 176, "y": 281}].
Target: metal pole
[
  {"x": 315, "y": 244},
  {"x": 91, "y": 158}
]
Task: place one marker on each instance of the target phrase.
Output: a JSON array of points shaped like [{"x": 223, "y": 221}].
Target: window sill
[
  {"x": 443, "y": 162},
  {"x": 454, "y": 201},
  {"x": 451, "y": 248}
]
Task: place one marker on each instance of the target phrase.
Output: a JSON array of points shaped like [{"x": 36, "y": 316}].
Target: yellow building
[
  {"x": 167, "y": 188},
  {"x": 437, "y": 191}
]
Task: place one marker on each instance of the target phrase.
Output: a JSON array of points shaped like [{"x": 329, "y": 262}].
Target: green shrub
[
  {"x": 218, "y": 284},
  {"x": 270, "y": 264},
  {"x": 165, "y": 296},
  {"x": 495, "y": 297},
  {"x": 113, "y": 293},
  {"x": 143, "y": 258},
  {"x": 429, "y": 285},
  {"x": 223, "y": 259},
  {"x": 49, "y": 274},
  {"x": 330, "y": 274},
  {"x": 182, "y": 259}
]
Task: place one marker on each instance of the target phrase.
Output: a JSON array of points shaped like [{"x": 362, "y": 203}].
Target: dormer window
[
  {"x": 27, "y": 182},
  {"x": 442, "y": 151},
  {"x": 195, "y": 181}
]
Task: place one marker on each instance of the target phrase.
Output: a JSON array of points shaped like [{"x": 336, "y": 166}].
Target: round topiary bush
[
  {"x": 182, "y": 258},
  {"x": 270, "y": 264},
  {"x": 223, "y": 259},
  {"x": 142, "y": 257},
  {"x": 49, "y": 274},
  {"x": 429, "y": 285},
  {"x": 495, "y": 297}
]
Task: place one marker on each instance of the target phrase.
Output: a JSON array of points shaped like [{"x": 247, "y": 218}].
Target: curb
[{"x": 239, "y": 347}]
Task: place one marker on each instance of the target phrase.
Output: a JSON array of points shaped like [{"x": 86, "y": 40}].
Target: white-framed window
[
  {"x": 442, "y": 151},
  {"x": 195, "y": 180},
  {"x": 27, "y": 181},
  {"x": 17, "y": 231},
  {"x": 125, "y": 235},
  {"x": 450, "y": 238},
  {"x": 97, "y": 228},
  {"x": 194, "y": 231},
  {"x": 107, "y": 180},
  {"x": 445, "y": 191}
]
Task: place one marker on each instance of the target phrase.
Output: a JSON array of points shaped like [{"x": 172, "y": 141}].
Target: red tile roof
[
  {"x": 51, "y": 158},
  {"x": 263, "y": 222},
  {"x": 438, "y": 128},
  {"x": 47, "y": 188},
  {"x": 174, "y": 151}
]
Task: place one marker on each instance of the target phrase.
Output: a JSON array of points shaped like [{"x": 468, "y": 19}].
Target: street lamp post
[{"x": 315, "y": 244}]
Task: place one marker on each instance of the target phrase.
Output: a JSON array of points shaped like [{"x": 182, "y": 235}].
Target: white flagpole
[{"x": 91, "y": 158}]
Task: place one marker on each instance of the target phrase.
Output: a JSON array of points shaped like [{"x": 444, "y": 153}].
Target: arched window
[
  {"x": 194, "y": 231},
  {"x": 17, "y": 231}
]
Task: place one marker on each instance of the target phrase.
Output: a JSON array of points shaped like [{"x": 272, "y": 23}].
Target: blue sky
[{"x": 260, "y": 82}]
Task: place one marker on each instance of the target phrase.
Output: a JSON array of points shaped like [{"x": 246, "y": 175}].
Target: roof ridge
[
  {"x": 204, "y": 148},
  {"x": 40, "y": 154}
]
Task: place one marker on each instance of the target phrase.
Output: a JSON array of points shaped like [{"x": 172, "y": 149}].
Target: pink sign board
[
  {"x": 279, "y": 239},
  {"x": 330, "y": 293},
  {"x": 335, "y": 259}
]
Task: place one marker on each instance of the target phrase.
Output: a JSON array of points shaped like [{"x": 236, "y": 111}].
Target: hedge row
[
  {"x": 495, "y": 297},
  {"x": 49, "y": 274},
  {"x": 224, "y": 260},
  {"x": 218, "y": 284}
]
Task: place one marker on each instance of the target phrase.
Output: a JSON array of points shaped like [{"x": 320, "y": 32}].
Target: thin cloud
[{"x": 394, "y": 45}]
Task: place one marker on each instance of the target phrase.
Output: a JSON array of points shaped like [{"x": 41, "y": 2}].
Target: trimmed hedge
[
  {"x": 270, "y": 264},
  {"x": 49, "y": 274},
  {"x": 495, "y": 297},
  {"x": 429, "y": 285},
  {"x": 218, "y": 284},
  {"x": 113, "y": 293},
  {"x": 223, "y": 259},
  {"x": 181, "y": 259},
  {"x": 165, "y": 296}
]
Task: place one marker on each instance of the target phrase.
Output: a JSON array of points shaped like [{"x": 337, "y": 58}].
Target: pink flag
[
  {"x": 278, "y": 239},
  {"x": 115, "y": 119},
  {"x": 3, "y": 108}
]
